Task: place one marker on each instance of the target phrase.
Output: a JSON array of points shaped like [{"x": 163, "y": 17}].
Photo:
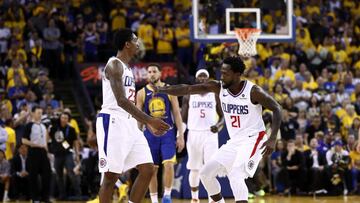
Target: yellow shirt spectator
[
  {"x": 146, "y": 34},
  {"x": 312, "y": 85},
  {"x": 340, "y": 56},
  {"x": 313, "y": 9},
  {"x": 118, "y": 19},
  {"x": 73, "y": 123},
  {"x": 347, "y": 120},
  {"x": 182, "y": 36},
  {"x": 263, "y": 52},
  {"x": 20, "y": 71},
  {"x": 164, "y": 37},
  {"x": 355, "y": 159},
  {"x": 280, "y": 97},
  {"x": 10, "y": 143},
  {"x": 284, "y": 73}
]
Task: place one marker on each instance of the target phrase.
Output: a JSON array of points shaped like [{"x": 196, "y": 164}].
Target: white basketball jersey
[
  {"x": 202, "y": 111},
  {"x": 243, "y": 118},
  {"x": 109, "y": 100}
]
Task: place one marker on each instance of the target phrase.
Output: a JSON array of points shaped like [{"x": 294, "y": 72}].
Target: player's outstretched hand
[
  {"x": 269, "y": 147},
  {"x": 157, "y": 126}
]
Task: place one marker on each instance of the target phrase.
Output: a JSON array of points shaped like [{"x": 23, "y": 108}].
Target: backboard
[{"x": 214, "y": 21}]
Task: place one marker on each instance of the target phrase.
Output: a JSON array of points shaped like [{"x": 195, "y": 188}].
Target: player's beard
[{"x": 154, "y": 80}]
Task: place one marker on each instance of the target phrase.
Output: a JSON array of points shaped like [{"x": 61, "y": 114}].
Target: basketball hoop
[{"x": 247, "y": 38}]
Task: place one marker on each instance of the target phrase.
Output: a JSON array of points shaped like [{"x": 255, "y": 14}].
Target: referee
[{"x": 37, "y": 162}]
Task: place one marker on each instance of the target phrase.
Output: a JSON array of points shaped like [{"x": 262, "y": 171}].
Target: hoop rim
[{"x": 245, "y": 33}]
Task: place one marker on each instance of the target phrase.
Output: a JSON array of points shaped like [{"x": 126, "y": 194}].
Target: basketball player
[
  {"x": 163, "y": 149},
  {"x": 121, "y": 145},
  {"x": 241, "y": 102},
  {"x": 200, "y": 111}
]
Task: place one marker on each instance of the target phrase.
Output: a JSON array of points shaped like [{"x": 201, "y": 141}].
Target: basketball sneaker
[{"x": 166, "y": 199}]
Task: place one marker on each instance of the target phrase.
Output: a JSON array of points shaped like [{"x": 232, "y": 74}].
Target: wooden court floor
[{"x": 269, "y": 199}]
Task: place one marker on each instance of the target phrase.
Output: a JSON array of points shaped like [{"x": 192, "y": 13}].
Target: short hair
[
  {"x": 67, "y": 114},
  {"x": 33, "y": 109},
  {"x": 121, "y": 37},
  {"x": 154, "y": 64},
  {"x": 236, "y": 63}
]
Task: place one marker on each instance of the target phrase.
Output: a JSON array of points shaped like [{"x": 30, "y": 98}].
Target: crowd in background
[{"x": 316, "y": 79}]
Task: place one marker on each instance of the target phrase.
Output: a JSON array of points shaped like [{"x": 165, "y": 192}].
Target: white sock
[
  {"x": 154, "y": 197},
  {"x": 5, "y": 195},
  {"x": 221, "y": 201},
  {"x": 130, "y": 201},
  {"x": 167, "y": 191},
  {"x": 195, "y": 194},
  {"x": 118, "y": 183}
]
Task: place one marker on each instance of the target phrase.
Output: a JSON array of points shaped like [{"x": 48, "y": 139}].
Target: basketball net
[{"x": 247, "y": 38}]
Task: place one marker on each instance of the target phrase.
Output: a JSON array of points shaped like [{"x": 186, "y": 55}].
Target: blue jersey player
[{"x": 163, "y": 149}]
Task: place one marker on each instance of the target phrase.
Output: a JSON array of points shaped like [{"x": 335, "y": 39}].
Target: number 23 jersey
[{"x": 243, "y": 118}]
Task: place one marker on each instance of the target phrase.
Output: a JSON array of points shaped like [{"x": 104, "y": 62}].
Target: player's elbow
[{"x": 277, "y": 112}]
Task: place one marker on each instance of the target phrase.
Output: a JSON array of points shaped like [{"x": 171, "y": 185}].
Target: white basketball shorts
[
  {"x": 241, "y": 158},
  {"x": 121, "y": 144},
  {"x": 201, "y": 146}
]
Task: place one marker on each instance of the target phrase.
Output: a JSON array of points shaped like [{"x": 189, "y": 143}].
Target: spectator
[
  {"x": 277, "y": 165},
  {"x": 293, "y": 165},
  {"x": 90, "y": 40},
  {"x": 315, "y": 126},
  {"x": 315, "y": 163},
  {"x": 4, "y": 37},
  {"x": 337, "y": 160},
  {"x": 11, "y": 140},
  {"x": 3, "y": 137},
  {"x": 52, "y": 48},
  {"x": 300, "y": 96},
  {"x": 146, "y": 34},
  {"x": 64, "y": 146},
  {"x": 35, "y": 138},
  {"x": 355, "y": 168},
  {"x": 20, "y": 175},
  {"x": 184, "y": 53},
  {"x": 288, "y": 127},
  {"x": 164, "y": 36},
  {"x": 4, "y": 175}
]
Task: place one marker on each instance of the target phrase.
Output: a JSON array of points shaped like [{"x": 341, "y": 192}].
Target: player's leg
[
  {"x": 140, "y": 157},
  {"x": 153, "y": 187},
  {"x": 142, "y": 181},
  {"x": 168, "y": 153},
  {"x": 238, "y": 186},
  {"x": 195, "y": 151},
  {"x": 154, "y": 145},
  {"x": 107, "y": 187},
  {"x": 208, "y": 177}
]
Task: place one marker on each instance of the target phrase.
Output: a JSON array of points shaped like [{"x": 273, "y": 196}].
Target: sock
[
  {"x": 154, "y": 197},
  {"x": 195, "y": 194},
  {"x": 130, "y": 201},
  {"x": 221, "y": 201},
  {"x": 167, "y": 191},
  {"x": 118, "y": 183},
  {"x": 5, "y": 195}
]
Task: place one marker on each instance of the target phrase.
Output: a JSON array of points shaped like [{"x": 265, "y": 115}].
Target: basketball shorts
[
  {"x": 163, "y": 148},
  {"x": 121, "y": 144},
  {"x": 201, "y": 146},
  {"x": 241, "y": 158}
]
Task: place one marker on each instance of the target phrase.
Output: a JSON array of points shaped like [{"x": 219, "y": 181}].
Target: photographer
[{"x": 64, "y": 145}]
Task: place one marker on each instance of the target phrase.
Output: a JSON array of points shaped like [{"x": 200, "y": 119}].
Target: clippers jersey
[
  {"x": 243, "y": 118},
  {"x": 202, "y": 111},
  {"x": 109, "y": 100}
]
